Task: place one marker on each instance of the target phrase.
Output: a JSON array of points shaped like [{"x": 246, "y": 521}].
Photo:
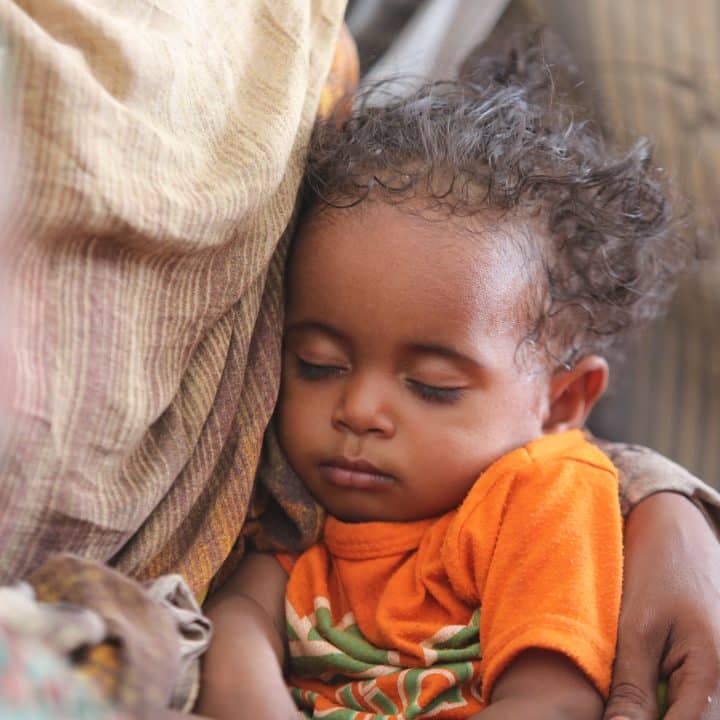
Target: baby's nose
[{"x": 364, "y": 408}]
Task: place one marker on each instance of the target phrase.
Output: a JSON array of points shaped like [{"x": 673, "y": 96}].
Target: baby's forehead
[
  {"x": 466, "y": 264},
  {"x": 502, "y": 236}
]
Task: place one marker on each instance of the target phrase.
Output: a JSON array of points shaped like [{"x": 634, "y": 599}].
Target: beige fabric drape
[{"x": 162, "y": 147}]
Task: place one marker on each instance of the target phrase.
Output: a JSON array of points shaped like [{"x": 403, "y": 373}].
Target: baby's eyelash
[
  {"x": 313, "y": 371},
  {"x": 434, "y": 394}
]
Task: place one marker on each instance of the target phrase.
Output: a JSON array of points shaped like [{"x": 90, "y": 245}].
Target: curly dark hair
[{"x": 501, "y": 138}]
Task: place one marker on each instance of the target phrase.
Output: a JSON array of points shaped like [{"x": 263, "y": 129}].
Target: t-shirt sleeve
[{"x": 544, "y": 549}]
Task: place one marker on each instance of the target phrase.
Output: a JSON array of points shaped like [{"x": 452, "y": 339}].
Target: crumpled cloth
[
  {"x": 283, "y": 515},
  {"x": 37, "y": 680},
  {"x": 136, "y": 646},
  {"x": 194, "y": 631},
  {"x": 38, "y": 684}
]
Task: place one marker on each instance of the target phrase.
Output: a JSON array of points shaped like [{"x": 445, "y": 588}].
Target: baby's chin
[
  {"x": 385, "y": 515},
  {"x": 358, "y": 516}
]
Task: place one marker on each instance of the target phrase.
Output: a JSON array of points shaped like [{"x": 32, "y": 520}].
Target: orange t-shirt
[{"x": 418, "y": 619}]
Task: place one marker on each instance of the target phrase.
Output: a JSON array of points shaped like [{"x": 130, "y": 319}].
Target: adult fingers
[
  {"x": 633, "y": 694},
  {"x": 694, "y": 704},
  {"x": 632, "y": 699},
  {"x": 694, "y": 682}
]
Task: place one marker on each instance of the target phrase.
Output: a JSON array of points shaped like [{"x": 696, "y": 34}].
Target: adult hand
[{"x": 670, "y": 615}]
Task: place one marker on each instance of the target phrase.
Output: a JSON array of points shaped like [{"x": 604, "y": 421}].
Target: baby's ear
[{"x": 574, "y": 392}]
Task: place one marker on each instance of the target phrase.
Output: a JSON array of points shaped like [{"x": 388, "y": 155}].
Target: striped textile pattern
[{"x": 162, "y": 148}]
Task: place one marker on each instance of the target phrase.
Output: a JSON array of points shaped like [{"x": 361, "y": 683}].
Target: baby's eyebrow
[
  {"x": 445, "y": 351},
  {"x": 315, "y": 326}
]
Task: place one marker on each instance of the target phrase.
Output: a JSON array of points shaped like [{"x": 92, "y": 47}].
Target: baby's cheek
[{"x": 466, "y": 453}]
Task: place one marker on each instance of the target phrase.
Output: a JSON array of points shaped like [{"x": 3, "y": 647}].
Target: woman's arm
[
  {"x": 543, "y": 685},
  {"x": 670, "y": 616},
  {"x": 242, "y": 672}
]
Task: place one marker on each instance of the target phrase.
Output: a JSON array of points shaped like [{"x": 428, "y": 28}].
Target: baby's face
[{"x": 400, "y": 381}]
